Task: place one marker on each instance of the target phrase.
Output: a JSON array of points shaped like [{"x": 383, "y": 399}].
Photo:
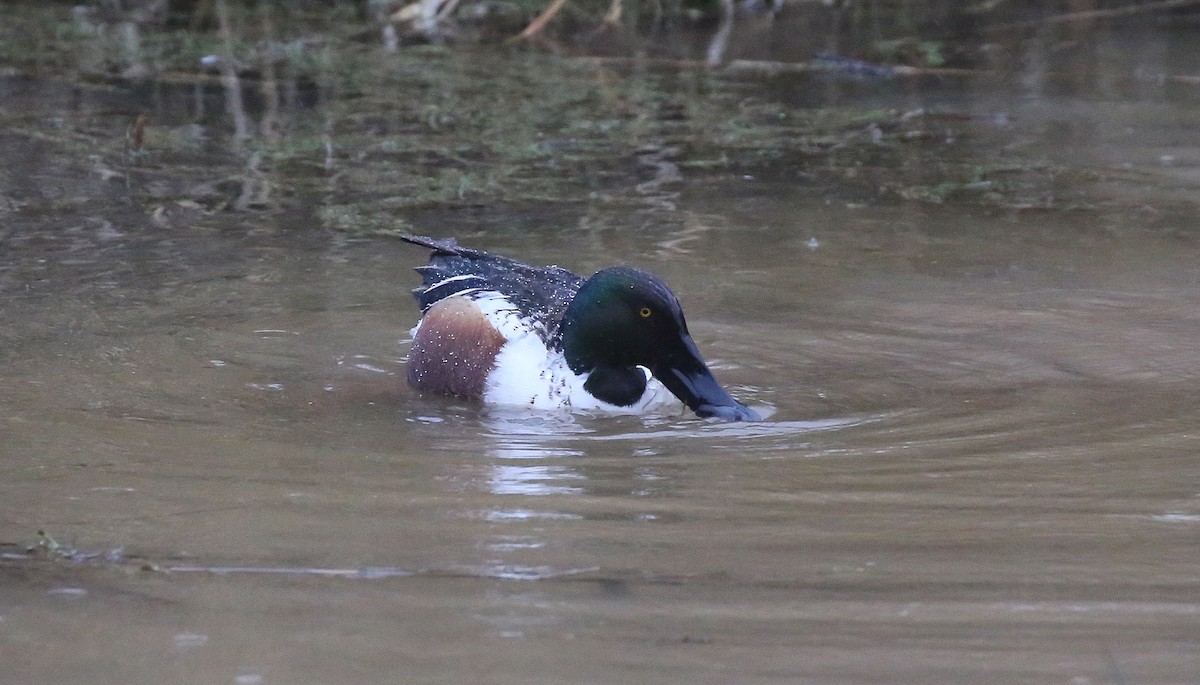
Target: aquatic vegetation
[
  {"x": 47, "y": 547},
  {"x": 282, "y": 110}
]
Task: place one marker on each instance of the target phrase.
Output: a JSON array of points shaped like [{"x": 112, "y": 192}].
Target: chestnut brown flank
[{"x": 454, "y": 350}]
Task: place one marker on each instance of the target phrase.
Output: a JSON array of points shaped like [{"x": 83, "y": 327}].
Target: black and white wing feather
[{"x": 541, "y": 293}]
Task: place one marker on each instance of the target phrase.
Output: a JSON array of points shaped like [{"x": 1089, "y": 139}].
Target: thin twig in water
[
  {"x": 447, "y": 9},
  {"x": 720, "y": 40},
  {"x": 538, "y": 24},
  {"x": 1088, "y": 15},
  {"x": 233, "y": 88},
  {"x": 270, "y": 88},
  {"x": 613, "y": 16}
]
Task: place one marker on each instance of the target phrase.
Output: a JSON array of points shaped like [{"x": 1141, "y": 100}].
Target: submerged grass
[{"x": 362, "y": 139}]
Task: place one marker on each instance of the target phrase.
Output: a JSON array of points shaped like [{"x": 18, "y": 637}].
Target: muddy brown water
[{"x": 981, "y": 464}]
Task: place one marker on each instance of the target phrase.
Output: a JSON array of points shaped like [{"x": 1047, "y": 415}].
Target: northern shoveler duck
[{"x": 508, "y": 333}]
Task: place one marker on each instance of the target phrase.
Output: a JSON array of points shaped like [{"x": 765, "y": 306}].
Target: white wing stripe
[{"x": 452, "y": 279}]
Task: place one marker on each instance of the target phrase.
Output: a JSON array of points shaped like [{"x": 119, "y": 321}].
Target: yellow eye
[{"x": 645, "y": 312}]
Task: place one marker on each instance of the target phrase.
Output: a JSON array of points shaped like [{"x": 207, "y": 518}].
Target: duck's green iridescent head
[{"x": 623, "y": 318}]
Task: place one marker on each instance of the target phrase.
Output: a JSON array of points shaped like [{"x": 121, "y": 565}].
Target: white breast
[{"x": 528, "y": 374}]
